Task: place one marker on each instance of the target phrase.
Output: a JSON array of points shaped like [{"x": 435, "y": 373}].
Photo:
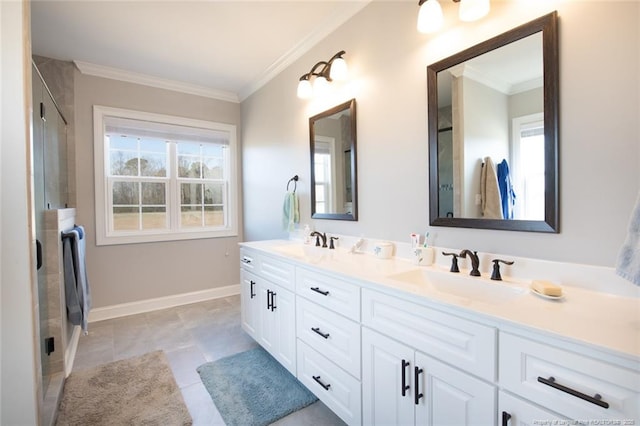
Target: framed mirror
[
  {"x": 334, "y": 183},
  {"x": 493, "y": 132}
]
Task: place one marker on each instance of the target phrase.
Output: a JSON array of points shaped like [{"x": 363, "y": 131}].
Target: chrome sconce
[
  {"x": 322, "y": 73},
  {"x": 430, "y": 17}
]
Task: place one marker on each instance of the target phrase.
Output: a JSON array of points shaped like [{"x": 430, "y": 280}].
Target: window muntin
[{"x": 163, "y": 178}]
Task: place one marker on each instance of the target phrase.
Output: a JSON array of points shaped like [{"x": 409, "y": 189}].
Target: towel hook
[{"x": 295, "y": 183}]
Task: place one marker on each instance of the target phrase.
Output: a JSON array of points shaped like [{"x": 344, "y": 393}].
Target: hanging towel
[
  {"x": 490, "y": 191},
  {"x": 76, "y": 285},
  {"x": 628, "y": 264},
  {"x": 290, "y": 212},
  {"x": 507, "y": 194}
]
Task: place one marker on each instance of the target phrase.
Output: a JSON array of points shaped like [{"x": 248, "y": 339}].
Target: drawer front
[
  {"x": 248, "y": 260},
  {"x": 513, "y": 411},
  {"x": 277, "y": 271},
  {"x": 567, "y": 382},
  {"x": 464, "y": 344},
  {"x": 338, "y": 390},
  {"x": 330, "y": 334},
  {"x": 331, "y": 293}
]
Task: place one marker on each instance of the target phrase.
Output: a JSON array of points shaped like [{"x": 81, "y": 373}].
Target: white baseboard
[
  {"x": 124, "y": 309},
  {"x": 70, "y": 352}
]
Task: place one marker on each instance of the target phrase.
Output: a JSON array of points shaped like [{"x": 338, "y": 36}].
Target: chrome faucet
[
  {"x": 475, "y": 261},
  {"x": 319, "y": 235}
]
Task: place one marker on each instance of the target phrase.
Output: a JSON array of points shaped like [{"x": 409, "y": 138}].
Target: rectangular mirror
[
  {"x": 493, "y": 132},
  {"x": 334, "y": 186}
]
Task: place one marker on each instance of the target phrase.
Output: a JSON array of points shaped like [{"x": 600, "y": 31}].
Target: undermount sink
[
  {"x": 303, "y": 252},
  {"x": 473, "y": 288}
]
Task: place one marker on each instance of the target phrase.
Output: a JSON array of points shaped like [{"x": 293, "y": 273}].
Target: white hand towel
[{"x": 628, "y": 265}]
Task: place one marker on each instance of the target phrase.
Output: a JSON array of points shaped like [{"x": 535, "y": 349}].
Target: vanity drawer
[
  {"x": 568, "y": 382},
  {"x": 337, "y": 389},
  {"x": 462, "y": 343},
  {"x": 277, "y": 271},
  {"x": 248, "y": 260},
  {"x": 331, "y": 293},
  {"x": 330, "y": 334}
]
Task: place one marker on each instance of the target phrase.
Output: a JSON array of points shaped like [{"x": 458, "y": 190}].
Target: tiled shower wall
[{"x": 56, "y": 222}]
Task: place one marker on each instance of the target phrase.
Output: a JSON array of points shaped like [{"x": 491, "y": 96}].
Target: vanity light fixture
[
  {"x": 322, "y": 73},
  {"x": 430, "y": 17}
]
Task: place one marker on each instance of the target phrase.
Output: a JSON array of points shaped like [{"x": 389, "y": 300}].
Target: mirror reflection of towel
[
  {"x": 290, "y": 212},
  {"x": 628, "y": 264},
  {"x": 490, "y": 191}
]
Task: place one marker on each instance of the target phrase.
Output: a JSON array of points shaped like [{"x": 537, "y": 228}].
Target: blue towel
[
  {"x": 76, "y": 285},
  {"x": 290, "y": 212},
  {"x": 628, "y": 264},
  {"x": 507, "y": 194}
]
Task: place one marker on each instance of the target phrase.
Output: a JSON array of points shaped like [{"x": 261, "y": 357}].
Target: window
[
  {"x": 324, "y": 173},
  {"x": 161, "y": 178},
  {"x": 528, "y": 167}
]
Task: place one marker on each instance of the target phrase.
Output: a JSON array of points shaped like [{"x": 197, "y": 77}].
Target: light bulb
[
  {"x": 304, "y": 89},
  {"x": 320, "y": 86},
  {"x": 472, "y": 10},
  {"x": 339, "y": 69},
  {"x": 430, "y": 17}
]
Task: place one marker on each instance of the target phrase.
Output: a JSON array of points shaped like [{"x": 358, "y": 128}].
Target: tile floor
[{"x": 190, "y": 335}]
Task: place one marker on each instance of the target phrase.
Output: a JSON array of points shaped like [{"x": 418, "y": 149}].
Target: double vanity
[{"x": 385, "y": 342}]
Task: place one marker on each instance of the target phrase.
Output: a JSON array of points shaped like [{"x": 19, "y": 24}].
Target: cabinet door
[
  {"x": 277, "y": 315},
  {"x": 249, "y": 302},
  {"x": 451, "y": 397},
  {"x": 513, "y": 411},
  {"x": 386, "y": 366},
  {"x": 267, "y": 336},
  {"x": 284, "y": 310}
]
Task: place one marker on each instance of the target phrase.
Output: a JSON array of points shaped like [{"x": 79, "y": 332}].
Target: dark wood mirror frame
[
  {"x": 353, "y": 216},
  {"x": 548, "y": 26}
]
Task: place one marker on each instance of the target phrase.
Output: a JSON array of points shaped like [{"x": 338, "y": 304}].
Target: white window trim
[{"x": 102, "y": 193}]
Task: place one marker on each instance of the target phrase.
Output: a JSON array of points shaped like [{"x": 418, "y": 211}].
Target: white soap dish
[{"x": 546, "y": 296}]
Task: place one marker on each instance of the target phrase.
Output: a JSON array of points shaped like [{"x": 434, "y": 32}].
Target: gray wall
[
  {"x": 133, "y": 272},
  {"x": 599, "y": 129}
]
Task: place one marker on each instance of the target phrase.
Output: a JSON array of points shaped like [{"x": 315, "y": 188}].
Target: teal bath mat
[{"x": 252, "y": 388}]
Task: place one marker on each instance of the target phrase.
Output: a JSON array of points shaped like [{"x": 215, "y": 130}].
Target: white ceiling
[{"x": 229, "y": 47}]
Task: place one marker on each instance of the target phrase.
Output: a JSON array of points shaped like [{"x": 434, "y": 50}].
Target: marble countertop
[{"x": 606, "y": 322}]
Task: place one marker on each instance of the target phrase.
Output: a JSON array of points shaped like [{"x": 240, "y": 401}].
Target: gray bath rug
[
  {"x": 252, "y": 388},
  {"x": 135, "y": 391}
]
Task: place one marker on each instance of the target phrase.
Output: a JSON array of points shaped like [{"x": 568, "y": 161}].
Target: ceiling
[{"x": 226, "y": 49}]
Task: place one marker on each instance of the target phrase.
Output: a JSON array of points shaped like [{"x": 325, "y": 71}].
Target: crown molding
[
  {"x": 152, "y": 81},
  {"x": 329, "y": 25}
]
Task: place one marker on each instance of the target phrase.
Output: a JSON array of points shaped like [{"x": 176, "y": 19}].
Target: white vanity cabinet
[
  {"x": 573, "y": 384},
  {"x": 329, "y": 344},
  {"x": 402, "y": 380},
  {"x": 377, "y": 354},
  {"x": 268, "y": 305}
]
